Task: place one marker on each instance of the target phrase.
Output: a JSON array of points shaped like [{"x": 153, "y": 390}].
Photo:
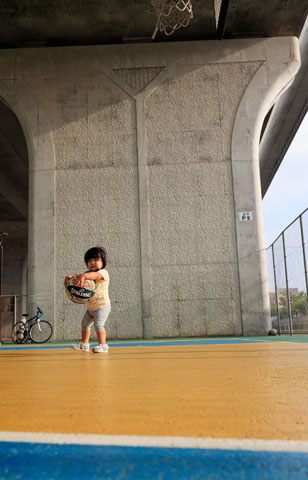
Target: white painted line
[{"x": 164, "y": 442}]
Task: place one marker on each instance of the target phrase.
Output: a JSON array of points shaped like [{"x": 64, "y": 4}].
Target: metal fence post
[
  {"x": 287, "y": 284},
  {"x": 15, "y": 307},
  {"x": 304, "y": 253},
  {"x": 276, "y": 290},
  {"x": 3, "y": 236}
]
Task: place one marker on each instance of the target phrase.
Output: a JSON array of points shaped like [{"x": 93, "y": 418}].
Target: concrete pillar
[
  {"x": 41, "y": 272},
  {"x": 273, "y": 76}
]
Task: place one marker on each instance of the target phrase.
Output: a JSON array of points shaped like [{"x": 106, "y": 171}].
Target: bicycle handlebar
[{"x": 39, "y": 311}]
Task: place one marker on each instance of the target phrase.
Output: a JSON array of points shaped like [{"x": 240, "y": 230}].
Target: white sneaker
[
  {"x": 101, "y": 348},
  {"x": 83, "y": 347}
]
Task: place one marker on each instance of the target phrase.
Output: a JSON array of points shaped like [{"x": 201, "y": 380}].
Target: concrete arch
[
  {"x": 41, "y": 270},
  {"x": 281, "y": 62}
]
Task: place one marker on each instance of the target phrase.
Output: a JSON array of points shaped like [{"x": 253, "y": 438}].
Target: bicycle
[{"x": 32, "y": 330}]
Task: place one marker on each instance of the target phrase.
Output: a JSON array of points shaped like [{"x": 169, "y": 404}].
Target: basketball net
[{"x": 171, "y": 15}]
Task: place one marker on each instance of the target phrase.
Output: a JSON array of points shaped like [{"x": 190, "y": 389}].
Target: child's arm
[{"x": 88, "y": 276}]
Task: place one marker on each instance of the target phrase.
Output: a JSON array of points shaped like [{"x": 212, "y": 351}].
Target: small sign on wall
[{"x": 245, "y": 216}]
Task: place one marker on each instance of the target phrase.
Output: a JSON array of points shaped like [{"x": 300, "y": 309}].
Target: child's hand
[
  {"x": 67, "y": 278},
  {"x": 80, "y": 279}
]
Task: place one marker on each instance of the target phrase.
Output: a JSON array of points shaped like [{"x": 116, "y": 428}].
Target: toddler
[{"x": 98, "y": 307}]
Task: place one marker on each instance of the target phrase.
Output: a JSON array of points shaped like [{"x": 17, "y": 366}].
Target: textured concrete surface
[{"x": 191, "y": 199}]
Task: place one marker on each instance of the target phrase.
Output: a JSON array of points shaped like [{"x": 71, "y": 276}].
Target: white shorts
[{"x": 98, "y": 317}]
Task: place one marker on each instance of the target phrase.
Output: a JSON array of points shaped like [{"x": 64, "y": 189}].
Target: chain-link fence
[
  {"x": 287, "y": 274},
  {"x": 11, "y": 309}
]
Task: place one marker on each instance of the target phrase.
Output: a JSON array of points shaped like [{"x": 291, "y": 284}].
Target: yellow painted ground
[{"x": 256, "y": 390}]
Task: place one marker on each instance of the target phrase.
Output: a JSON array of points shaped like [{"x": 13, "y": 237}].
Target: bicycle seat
[{"x": 25, "y": 314}]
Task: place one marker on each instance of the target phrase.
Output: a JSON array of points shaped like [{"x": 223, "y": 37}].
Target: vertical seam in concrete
[
  {"x": 143, "y": 196},
  {"x": 144, "y": 231},
  {"x": 144, "y": 218},
  {"x": 237, "y": 250},
  {"x": 145, "y": 253}
]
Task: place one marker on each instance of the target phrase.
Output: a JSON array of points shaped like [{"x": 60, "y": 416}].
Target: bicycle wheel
[
  {"x": 41, "y": 331},
  {"x": 19, "y": 333}
]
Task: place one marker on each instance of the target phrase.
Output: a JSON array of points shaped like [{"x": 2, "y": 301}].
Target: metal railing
[
  {"x": 287, "y": 260},
  {"x": 11, "y": 308}
]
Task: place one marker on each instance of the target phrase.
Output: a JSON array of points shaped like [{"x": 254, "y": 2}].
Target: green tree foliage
[{"x": 299, "y": 305}]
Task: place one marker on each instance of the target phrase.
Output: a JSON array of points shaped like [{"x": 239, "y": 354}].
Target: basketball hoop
[{"x": 171, "y": 15}]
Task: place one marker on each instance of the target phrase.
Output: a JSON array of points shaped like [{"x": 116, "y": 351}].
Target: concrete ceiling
[
  {"x": 51, "y": 23},
  {"x": 28, "y": 23}
]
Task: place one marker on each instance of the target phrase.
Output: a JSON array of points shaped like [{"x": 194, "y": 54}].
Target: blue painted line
[
  {"x": 138, "y": 344},
  {"x": 181, "y": 342},
  {"x": 32, "y": 347},
  {"x": 45, "y": 461}
]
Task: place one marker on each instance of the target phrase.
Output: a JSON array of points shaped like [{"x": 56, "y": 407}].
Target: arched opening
[{"x": 14, "y": 190}]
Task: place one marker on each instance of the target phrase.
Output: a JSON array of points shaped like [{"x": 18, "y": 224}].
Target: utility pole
[{"x": 3, "y": 236}]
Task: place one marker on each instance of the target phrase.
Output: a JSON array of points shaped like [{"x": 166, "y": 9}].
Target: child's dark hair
[{"x": 96, "y": 252}]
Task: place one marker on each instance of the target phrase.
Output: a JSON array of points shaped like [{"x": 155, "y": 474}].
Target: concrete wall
[
  {"x": 189, "y": 120},
  {"x": 149, "y": 150}
]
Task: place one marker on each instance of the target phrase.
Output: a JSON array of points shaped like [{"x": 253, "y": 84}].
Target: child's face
[{"x": 95, "y": 264}]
